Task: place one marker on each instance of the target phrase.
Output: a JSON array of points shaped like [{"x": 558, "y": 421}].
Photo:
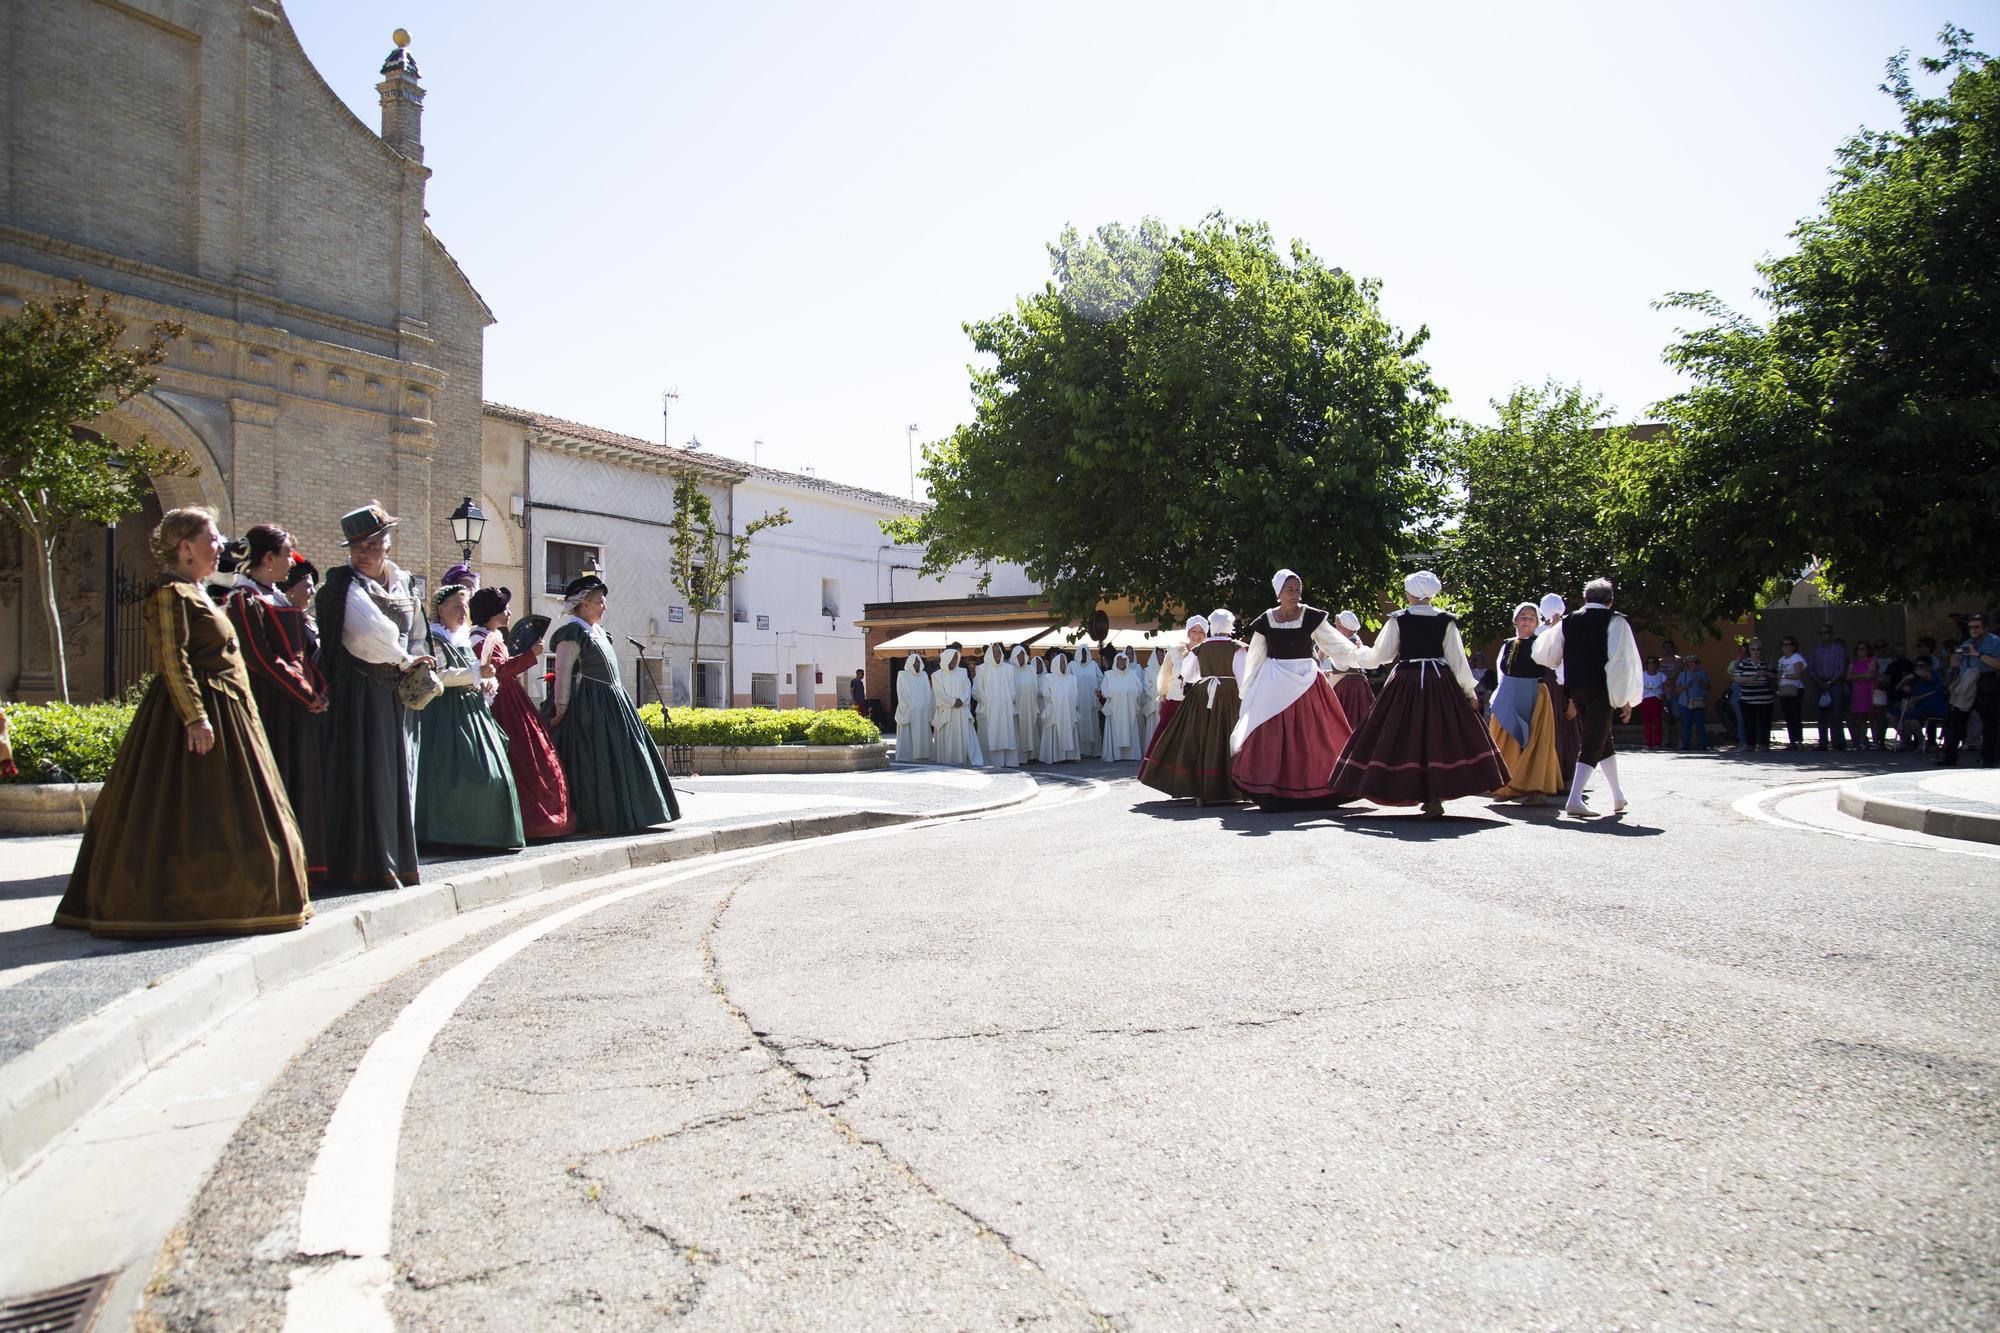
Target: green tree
[
  {"x": 63, "y": 362},
  {"x": 1529, "y": 494},
  {"x": 1176, "y": 415},
  {"x": 1860, "y": 425},
  {"x": 703, "y": 561}
]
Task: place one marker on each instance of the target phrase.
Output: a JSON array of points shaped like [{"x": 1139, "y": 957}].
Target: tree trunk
[
  {"x": 45, "y": 546},
  {"x": 694, "y": 669}
]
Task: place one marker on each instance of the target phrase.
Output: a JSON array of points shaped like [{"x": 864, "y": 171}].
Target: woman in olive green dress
[
  {"x": 465, "y": 788},
  {"x": 193, "y": 833},
  {"x": 617, "y": 783}
]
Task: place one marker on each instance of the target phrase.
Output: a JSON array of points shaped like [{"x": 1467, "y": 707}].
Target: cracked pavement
[{"x": 1121, "y": 1064}]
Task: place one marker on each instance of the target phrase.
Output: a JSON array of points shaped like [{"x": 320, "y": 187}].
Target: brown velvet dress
[{"x": 181, "y": 843}]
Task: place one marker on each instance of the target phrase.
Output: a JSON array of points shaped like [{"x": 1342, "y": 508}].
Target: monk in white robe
[
  {"x": 953, "y": 738},
  {"x": 994, "y": 689},
  {"x": 1058, "y": 713},
  {"x": 913, "y": 711},
  {"x": 1089, "y": 721},
  {"x": 1123, "y": 740},
  {"x": 1027, "y": 700}
]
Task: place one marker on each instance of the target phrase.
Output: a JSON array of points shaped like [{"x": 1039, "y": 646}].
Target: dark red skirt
[
  {"x": 1168, "y": 707},
  {"x": 1288, "y": 762},
  {"x": 1423, "y": 742},
  {"x": 1357, "y": 698}
]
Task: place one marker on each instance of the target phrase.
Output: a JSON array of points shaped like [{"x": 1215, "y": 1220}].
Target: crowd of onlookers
[{"x": 1867, "y": 695}]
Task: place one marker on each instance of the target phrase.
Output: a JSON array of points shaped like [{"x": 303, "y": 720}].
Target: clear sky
[{"x": 786, "y": 211}]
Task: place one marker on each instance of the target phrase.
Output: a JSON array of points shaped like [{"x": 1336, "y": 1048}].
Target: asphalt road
[{"x": 1111, "y": 1062}]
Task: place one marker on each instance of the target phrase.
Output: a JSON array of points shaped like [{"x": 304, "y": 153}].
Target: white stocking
[
  {"x": 1610, "y": 769},
  {"x": 1579, "y": 782}
]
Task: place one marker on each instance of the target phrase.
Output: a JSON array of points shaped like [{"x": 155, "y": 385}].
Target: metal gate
[{"x": 128, "y": 658}]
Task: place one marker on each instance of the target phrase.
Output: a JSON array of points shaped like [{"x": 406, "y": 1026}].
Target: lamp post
[
  {"x": 468, "y": 525},
  {"x": 910, "y": 440}
]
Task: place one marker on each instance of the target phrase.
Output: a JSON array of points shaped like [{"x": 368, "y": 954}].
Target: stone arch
[{"x": 148, "y": 416}]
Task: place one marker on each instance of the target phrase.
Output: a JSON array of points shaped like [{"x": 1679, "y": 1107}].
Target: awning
[
  {"x": 972, "y": 636},
  {"x": 1145, "y": 638}
]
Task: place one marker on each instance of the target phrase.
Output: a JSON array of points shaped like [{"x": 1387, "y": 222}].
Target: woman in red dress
[{"x": 538, "y": 774}]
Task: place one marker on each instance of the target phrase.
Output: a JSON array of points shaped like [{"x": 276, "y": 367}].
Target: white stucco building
[
  {"x": 793, "y": 612},
  {"x": 562, "y": 496}
]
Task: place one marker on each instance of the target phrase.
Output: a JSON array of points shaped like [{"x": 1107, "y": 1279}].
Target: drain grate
[{"x": 71, "y": 1309}]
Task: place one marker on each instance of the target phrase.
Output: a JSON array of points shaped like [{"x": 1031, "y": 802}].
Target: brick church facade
[{"x": 186, "y": 158}]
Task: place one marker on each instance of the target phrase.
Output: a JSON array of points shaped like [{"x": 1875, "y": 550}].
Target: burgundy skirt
[
  {"x": 1423, "y": 742},
  {"x": 1168, "y": 707},
  {"x": 1288, "y": 762},
  {"x": 1357, "y": 698}
]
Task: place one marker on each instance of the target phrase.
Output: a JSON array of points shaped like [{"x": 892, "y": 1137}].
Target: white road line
[
  {"x": 348, "y": 1209},
  {"x": 1754, "y": 806}
]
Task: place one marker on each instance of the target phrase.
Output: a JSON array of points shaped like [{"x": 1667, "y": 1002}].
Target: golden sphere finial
[{"x": 400, "y": 36}]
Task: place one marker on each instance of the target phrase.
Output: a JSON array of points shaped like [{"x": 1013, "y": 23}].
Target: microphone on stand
[{"x": 635, "y": 643}]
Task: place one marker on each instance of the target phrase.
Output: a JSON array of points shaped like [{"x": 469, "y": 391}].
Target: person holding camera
[{"x": 1976, "y": 689}]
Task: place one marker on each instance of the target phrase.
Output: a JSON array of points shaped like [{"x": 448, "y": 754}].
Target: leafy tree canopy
[
  {"x": 1860, "y": 425},
  {"x": 63, "y": 362},
  {"x": 1528, "y": 492},
  {"x": 1176, "y": 415}
]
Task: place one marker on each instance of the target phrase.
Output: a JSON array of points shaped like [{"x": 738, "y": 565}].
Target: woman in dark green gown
[
  {"x": 465, "y": 787},
  {"x": 617, "y": 783}
]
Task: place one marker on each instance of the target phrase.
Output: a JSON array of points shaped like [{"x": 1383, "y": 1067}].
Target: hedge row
[
  {"x": 759, "y": 726},
  {"x": 66, "y": 742},
  {"x": 77, "y": 742}
]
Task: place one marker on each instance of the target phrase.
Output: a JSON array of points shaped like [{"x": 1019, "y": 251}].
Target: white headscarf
[
  {"x": 1222, "y": 622},
  {"x": 1552, "y": 606},
  {"x": 1278, "y": 581},
  {"x": 1119, "y": 662},
  {"x": 914, "y": 664},
  {"x": 1019, "y": 657},
  {"x": 947, "y": 659},
  {"x": 1348, "y": 621},
  {"x": 1059, "y": 664},
  {"x": 1423, "y": 585},
  {"x": 1529, "y": 607},
  {"x": 1196, "y": 622}
]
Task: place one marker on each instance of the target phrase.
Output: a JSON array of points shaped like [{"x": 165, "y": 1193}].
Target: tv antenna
[{"x": 667, "y": 401}]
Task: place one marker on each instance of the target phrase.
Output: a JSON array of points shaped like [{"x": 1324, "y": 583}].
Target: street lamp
[{"x": 468, "y": 525}]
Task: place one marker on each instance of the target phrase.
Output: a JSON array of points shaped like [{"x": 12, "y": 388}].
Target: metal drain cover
[{"x": 71, "y": 1309}]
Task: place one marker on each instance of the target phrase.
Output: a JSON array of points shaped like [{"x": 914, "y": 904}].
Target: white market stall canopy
[
  {"x": 1129, "y": 639},
  {"x": 972, "y": 636}
]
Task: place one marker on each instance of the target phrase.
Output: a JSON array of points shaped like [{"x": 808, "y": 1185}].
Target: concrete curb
[
  {"x": 1966, "y": 825},
  {"x": 46, "y": 807},
  {"x": 52, "y": 1087}
]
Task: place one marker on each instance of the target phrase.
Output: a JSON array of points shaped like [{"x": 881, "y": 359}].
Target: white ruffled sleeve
[{"x": 369, "y": 635}]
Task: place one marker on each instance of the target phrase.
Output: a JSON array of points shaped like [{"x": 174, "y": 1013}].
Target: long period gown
[
  {"x": 1191, "y": 756},
  {"x": 367, "y": 739},
  {"x": 1524, "y": 724},
  {"x": 538, "y": 774},
  {"x": 617, "y": 781},
  {"x": 181, "y": 843},
  {"x": 1423, "y": 742},
  {"x": 1292, "y": 728},
  {"x": 1058, "y": 713},
  {"x": 278, "y": 643},
  {"x": 465, "y": 786}
]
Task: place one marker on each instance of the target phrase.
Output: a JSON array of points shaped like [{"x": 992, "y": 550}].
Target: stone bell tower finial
[{"x": 402, "y": 100}]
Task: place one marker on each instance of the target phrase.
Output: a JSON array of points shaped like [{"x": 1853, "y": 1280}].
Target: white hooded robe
[
  {"x": 1121, "y": 687},
  {"x": 952, "y": 735},
  {"x": 995, "y": 691},
  {"x": 1058, "y": 713},
  {"x": 1089, "y": 721},
  {"x": 913, "y": 712},
  {"x": 1027, "y": 702}
]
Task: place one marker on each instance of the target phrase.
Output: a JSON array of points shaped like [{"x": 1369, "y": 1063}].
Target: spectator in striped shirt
[{"x": 1755, "y": 683}]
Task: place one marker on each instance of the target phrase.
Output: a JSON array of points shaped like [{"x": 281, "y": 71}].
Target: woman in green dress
[
  {"x": 193, "y": 833},
  {"x": 465, "y": 787},
  {"x": 616, "y": 781}
]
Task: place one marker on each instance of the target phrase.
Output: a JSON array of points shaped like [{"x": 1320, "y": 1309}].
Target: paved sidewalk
[{"x": 1948, "y": 803}]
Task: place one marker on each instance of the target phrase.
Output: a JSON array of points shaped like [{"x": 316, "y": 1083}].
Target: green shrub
[
  {"x": 840, "y": 727},
  {"x": 757, "y": 726},
  {"x": 66, "y": 742}
]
